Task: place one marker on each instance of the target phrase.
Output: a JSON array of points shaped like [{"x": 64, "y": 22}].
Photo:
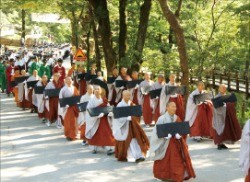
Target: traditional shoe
[
  {"x": 141, "y": 159},
  {"x": 48, "y": 123},
  {"x": 84, "y": 143},
  {"x": 59, "y": 126},
  {"x": 123, "y": 160},
  {"x": 198, "y": 139},
  {"x": 69, "y": 139},
  {"x": 110, "y": 152},
  {"x": 222, "y": 146}
]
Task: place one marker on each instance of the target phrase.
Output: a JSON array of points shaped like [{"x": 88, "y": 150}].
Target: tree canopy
[{"x": 141, "y": 32}]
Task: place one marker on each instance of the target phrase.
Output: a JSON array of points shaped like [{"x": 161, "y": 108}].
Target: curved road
[{"x": 31, "y": 151}]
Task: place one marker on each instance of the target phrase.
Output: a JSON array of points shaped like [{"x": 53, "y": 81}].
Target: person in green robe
[
  {"x": 3, "y": 79},
  {"x": 35, "y": 65},
  {"x": 44, "y": 69}
]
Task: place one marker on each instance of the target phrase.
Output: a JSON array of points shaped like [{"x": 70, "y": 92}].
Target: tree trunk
[
  {"x": 171, "y": 37},
  {"x": 74, "y": 30},
  {"x": 180, "y": 40},
  {"x": 88, "y": 42},
  {"x": 142, "y": 30},
  {"x": 102, "y": 14},
  {"x": 23, "y": 34},
  {"x": 123, "y": 30},
  {"x": 95, "y": 36}
]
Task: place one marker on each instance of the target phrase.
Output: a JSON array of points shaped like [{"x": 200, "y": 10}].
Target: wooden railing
[{"x": 236, "y": 81}]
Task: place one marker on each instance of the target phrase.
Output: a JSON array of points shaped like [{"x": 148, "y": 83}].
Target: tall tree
[
  {"x": 23, "y": 33},
  {"x": 101, "y": 13},
  {"x": 173, "y": 21},
  {"x": 142, "y": 29},
  {"x": 96, "y": 40},
  {"x": 122, "y": 29}
]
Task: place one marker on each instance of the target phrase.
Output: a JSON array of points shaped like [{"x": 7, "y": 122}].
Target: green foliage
[
  {"x": 243, "y": 108},
  {"x": 224, "y": 45}
]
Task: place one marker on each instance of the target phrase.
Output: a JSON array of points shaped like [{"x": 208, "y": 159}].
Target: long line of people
[{"x": 124, "y": 136}]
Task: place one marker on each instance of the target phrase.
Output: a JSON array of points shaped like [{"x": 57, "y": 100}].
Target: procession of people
[{"x": 82, "y": 101}]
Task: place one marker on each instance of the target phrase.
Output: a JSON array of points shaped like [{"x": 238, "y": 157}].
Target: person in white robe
[
  {"x": 42, "y": 103},
  {"x": 21, "y": 87},
  {"x": 69, "y": 113},
  {"x": 159, "y": 84},
  {"x": 82, "y": 115},
  {"x": 144, "y": 99},
  {"x": 100, "y": 76},
  {"x": 134, "y": 93},
  {"x": 33, "y": 77},
  {"x": 93, "y": 128},
  {"x": 170, "y": 154},
  {"x": 54, "y": 107},
  {"x": 123, "y": 76},
  {"x": 244, "y": 161},
  {"x": 124, "y": 130},
  {"x": 192, "y": 108},
  {"x": 111, "y": 87}
]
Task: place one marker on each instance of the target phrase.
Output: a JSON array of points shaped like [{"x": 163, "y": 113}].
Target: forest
[{"x": 188, "y": 37}]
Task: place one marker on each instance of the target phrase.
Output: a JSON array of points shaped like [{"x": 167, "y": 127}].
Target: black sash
[
  {"x": 52, "y": 92},
  {"x": 120, "y": 112},
  {"x": 69, "y": 101},
  {"x": 98, "y": 110},
  {"x": 177, "y": 127},
  {"x": 219, "y": 101},
  {"x": 82, "y": 106},
  {"x": 155, "y": 93},
  {"x": 202, "y": 97}
]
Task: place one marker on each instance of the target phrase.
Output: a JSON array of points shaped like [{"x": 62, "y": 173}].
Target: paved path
[{"x": 31, "y": 151}]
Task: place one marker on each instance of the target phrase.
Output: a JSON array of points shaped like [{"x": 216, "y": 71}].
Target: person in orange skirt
[
  {"x": 69, "y": 113},
  {"x": 98, "y": 128},
  {"x": 245, "y": 151},
  {"x": 131, "y": 141},
  {"x": 171, "y": 158},
  {"x": 15, "y": 89}
]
